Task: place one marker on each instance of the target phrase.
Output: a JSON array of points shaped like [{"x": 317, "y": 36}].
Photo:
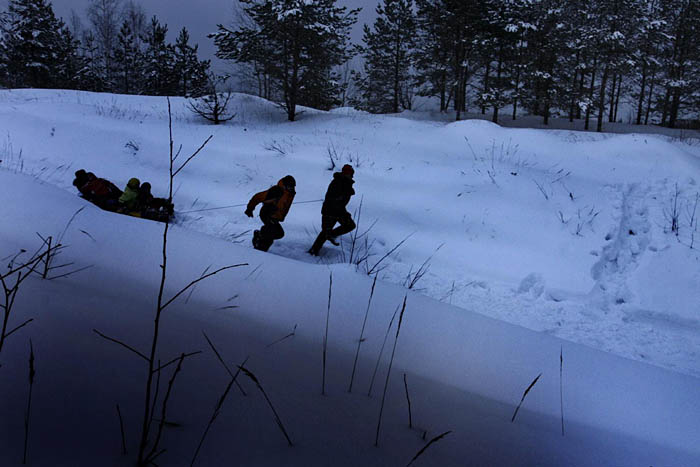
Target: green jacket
[{"x": 130, "y": 197}]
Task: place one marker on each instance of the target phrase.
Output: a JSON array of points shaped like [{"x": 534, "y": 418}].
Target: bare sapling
[
  {"x": 523, "y": 398},
  {"x": 388, "y": 373},
  {"x": 213, "y": 106},
  {"x": 250, "y": 375},
  {"x": 11, "y": 281},
  {"x": 362, "y": 334},
  {"x": 32, "y": 374},
  {"x": 430, "y": 443},
  {"x": 325, "y": 336},
  {"x": 149, "y": 442}
]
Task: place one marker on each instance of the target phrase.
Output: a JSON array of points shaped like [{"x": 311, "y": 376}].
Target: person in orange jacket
[{"x": 276, "y": 202}]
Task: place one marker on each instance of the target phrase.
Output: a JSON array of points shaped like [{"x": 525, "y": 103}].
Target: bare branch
[
  {"x": 19, "y": 327},
  {"x": 200, "y": 279},
  {"x": 116, "y": 341},
  {"x": 193, "y": 155}
]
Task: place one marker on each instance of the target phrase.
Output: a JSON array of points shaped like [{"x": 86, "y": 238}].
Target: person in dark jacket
[
  {"x": 276, "y": 202},
  {"x": 100, "y": 191},
  {"x": 333, "y": 211}
]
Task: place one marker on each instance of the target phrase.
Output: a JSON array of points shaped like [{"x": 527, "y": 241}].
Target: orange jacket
[{"x": 278, "y": 207}]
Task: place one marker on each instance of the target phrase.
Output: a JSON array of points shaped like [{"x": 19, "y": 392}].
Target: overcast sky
[{"x": 201, "y": 16}]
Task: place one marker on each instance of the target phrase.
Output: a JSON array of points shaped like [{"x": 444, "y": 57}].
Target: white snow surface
[{"x": 538, "y": 242}]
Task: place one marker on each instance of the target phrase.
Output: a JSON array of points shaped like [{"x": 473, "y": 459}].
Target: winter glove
[{"x": 249, "y": 212}]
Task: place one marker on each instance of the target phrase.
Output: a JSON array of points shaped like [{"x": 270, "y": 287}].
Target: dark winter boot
[{"x": 256, "y": 239}]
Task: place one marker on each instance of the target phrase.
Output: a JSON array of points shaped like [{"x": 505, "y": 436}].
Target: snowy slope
[
  {"x": 533, "y": 227},
  {"x": 616, "y": 281},
  {"x": 465, "y": 371}
]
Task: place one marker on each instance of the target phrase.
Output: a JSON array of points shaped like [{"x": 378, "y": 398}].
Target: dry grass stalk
[
  {"x": 523, "y": 398},
  {"x": 388, "y": 373},
  {"x": 121, "y": 429},
  {"x": 250, "y": 375},
  {"x": 408, "y": 399},
  {"x": 432, "y": 441},
  {"x": 325, "y": 336},
  {"x": 381, "y": 352},
  {"x": 362, "y": 333},
  {"x": 561, "y": 386},
  {"x": 32, "y": 374}
]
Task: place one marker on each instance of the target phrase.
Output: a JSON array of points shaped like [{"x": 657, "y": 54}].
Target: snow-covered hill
[{"x": 560, "y": 232}]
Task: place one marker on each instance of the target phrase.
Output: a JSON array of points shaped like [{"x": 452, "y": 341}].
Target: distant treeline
[
  {"x": 574, "y": 58},
  {"x": 119, "y": 50}
]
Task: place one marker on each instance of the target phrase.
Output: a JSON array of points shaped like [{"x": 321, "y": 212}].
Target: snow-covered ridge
[
  {"x": 506, "y": 204},
  {"x": 603, "y": 273}
]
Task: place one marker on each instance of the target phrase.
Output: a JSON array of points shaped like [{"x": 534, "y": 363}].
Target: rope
[{"x": 241, "y": 205}]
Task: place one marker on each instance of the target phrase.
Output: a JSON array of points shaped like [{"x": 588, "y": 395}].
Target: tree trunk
[
  {"x": 580, "y": 93},
  {"x": 601, "y": 102},
  {"x": 675, "y": 106},
  {"x": 572, "y": 102},
  {"x": 486, "y": 84},
  {"x": 494, "y": 119},
  {"x": 611, "y": 111},
  {"x": 617, "y": 97},
  {"x": 651, "y": 97},
  {"x": 640, "y": 103},
  {"x": 397, "y": 90},
  {"x": 664, "y": 114},
  {"x": 590, "y": 95}
]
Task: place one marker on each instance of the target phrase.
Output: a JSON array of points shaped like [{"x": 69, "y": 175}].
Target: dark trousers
[
  {"x": 327, "y": 230},
  {"x": 269, "y": 232}
]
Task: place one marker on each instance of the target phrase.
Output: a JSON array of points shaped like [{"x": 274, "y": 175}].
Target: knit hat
[{"x": 347, "y": 170}]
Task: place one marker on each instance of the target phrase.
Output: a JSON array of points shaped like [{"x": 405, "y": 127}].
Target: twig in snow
[
  {"x": 291, "y": 334},
  {"x": 126, "y": 346},
  {"x": 408, "y": 399},
  {"x": 218, "y": 356},
  {"x": 121, "y": 428},
  {"x": 561, "y": 386},
  {"x": 32, "y": 373},
  {"x": 388, "y": 373},
  {"x": 325, "y": 336},
  {"x": 381, "y": 351},
  {"x": 362, "y": 333},
  {"x": 541, "y": 188},
  {"x": 217, "y": 411},
  {"x": 523, "y": 398},
  {"x": 434, "y": 440},
  {"x": 250, "y": 375}
]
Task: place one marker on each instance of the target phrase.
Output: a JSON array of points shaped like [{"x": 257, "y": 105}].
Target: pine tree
[
  {"x": 299, "y": 43},
  {"x": 160, "y": 80},
  {"x": 31, "y": 44},
  {"x": 388, "y": 54},
  {"x": 127, "y": 61},
  {"x": 192, "y": 74},
  {"x": 681, "y": 57}
]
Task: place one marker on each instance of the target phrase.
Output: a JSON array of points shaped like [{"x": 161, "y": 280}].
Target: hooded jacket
[
  {"x": 130, "y": 197},
  {"x": 276, "y": 202},
  {"x": 338, "y": 196}
]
